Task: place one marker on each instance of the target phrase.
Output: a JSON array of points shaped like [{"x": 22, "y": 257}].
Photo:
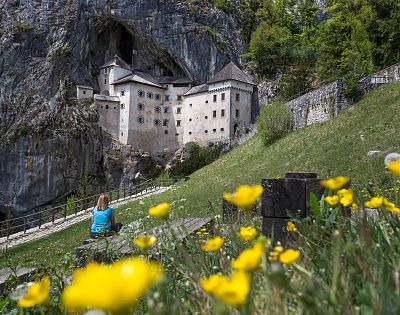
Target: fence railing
[{"x": 61, "y": 212}]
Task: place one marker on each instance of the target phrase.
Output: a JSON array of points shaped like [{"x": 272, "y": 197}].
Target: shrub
[{"x": 274, "y": 122}]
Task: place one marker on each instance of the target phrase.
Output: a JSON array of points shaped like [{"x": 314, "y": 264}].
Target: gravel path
[{"x": 60, "y": 224}]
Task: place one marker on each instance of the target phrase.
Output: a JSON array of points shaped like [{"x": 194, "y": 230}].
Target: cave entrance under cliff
[{"x": 137, "y": 50}]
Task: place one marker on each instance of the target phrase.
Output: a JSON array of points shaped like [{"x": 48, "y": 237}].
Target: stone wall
[
  {"x": 387, "y": 75},
  {"x": 318, "y": 105}
]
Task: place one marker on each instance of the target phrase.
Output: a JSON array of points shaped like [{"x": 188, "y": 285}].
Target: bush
[{"x": 274, "y": 122}]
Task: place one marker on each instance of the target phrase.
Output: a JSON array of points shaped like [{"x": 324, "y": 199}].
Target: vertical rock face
[{"x": 48, "y": 142}]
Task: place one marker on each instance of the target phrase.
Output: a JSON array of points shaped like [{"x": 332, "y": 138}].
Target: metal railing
[{"x": 60, "y": 213}]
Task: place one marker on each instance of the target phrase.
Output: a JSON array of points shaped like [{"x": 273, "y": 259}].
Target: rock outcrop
[{"x": 48, "y": 141}]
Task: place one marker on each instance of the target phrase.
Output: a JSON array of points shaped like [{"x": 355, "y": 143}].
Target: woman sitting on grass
[{"x": 103, "y": 219}]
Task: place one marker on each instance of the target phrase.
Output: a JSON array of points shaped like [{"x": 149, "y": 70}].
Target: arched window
[
  {"x": 141, "y": 93},
  {"x": 140, "y": 106},
  {"x": 157, "y": 96},
  {"x": 140, "y": 119},
  {"x": 122, "y": 105}
]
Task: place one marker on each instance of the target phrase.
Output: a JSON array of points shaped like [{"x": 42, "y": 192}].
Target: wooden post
[{"x": 24, "y": 225}]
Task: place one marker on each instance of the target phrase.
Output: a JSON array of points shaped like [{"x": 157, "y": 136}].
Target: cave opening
[
  {"x": 2, "y": 216},
  {"x": 126, "y": 45}
]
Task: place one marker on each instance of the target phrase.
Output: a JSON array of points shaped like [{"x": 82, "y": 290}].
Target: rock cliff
[{"x": 48, "y": 141}]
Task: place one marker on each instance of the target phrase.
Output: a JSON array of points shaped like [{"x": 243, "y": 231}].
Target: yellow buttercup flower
[
  {"x": 247, "y": 233},
  {"x": 250, "y": 258},
  {"x": 274, "y": 255},
  {"x": 374, "y": 202},
  {"x": 291, "y": 227},
  {"x": 332, "y": 200},
  {"x": 394, "y": 167},
  {"x": 335, "y": 183},
  {"x": 213, "y": 244},
  {"x": 160, "y": 211},
  {"x": 113, "y": 288},
  {"x": 233, "y": 291},
  {"x": 390, "y": 206},
  {"x": 289, "y": 256},
  {"x": 36, "y": 293},
  {"x": 244, "y": 196},
  {"x": 354, "y": 207},
  {"x": 144, "y": 241},
  {"x": 346, "y": 197}
]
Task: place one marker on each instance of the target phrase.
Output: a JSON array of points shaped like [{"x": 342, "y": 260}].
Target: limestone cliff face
[{"x": 48, "y": 142}]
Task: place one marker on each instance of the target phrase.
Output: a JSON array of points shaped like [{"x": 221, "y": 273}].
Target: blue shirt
[{"x": 101, "y": 220}]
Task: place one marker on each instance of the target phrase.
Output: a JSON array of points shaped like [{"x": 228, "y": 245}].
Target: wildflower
[
  {"x": 354, "y": 207},
  {"x": 335, "y": 183},
  {"x": 250, "y": 258},
  {"x": 274, "y": 255},
  {"x": 213, "y": 244},
  {"x": 113, "y": 288},
  {"x": 346, "y": 197},
  {"x": 161, "y": 211},
  {"x": 244, "y": 196},
  {"x": 374, "y": 202},
  {"x": 291, "y": 227},
  {"x": 233, "y": 291},
  {"x": 394, "y": 167},
  {"x": 390, "y": 206},
  {"x": 36, "y": 293},
  {"x": 144, "y": 241},
  {"x": 332, "y": 200},
  {"x": 247, "y": 233},
  {"x": 289, "y": 256}
]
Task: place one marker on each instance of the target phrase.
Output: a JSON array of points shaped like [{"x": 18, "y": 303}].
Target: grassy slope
[{"x": 338, "y": 146}]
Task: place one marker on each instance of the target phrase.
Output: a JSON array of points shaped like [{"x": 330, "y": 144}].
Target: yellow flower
[
  {"x": 289, "y": 256},
  {"x": 232, "y": 291},
  {"x": 144, "y": 241},
  {"x": 244, "y": 196},
  {"x": 37, "y": 293},
  {"x": 161, "y": 211},
  {"x": 113, "y": 288},
  {"x": 354, "y": 207},
  {"x": 250, "y": 258},
  {"x": 291, "y": 227},
  {"x": 332, "y": 200},
  {"x": 390, "y": 206},
  {"x": 394, "y": 167},
  {"x": 213, "y": 244},
  {"x": 274, "y": 255},
  {"x": 247, "y": 233},
  {"x": 374, "y": 202},
  {"x": 335, "y": 183},
  {"x": 346, "y": 197}
]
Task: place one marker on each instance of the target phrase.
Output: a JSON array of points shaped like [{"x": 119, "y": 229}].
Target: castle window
[
  {"x": 140, "y": 119},
  {"x": 205, "y": 117},
  {"x": 84, "y": 92},
  {"x": 101, "y": 106},
  {"x": 105, "y": 70},
  {"x": 166, "y": 97},
  {"x": 157, "y": 122},
  {"x": 206, "y": 102},
  {"x": 165, "y": 122},
  {"x": 190, "y": 105},
  {"x": 222, "y": 112},
  {"x": 205, "y": 131},
  {"x": 214, "y": 97},
  {"x": 165, "y": 110},
  {"x": 149, "y": 95},
  {"x": 115, "y": 107},
  {"x": 106, "y": 106},
  {"x": 190, "y": 119},
  {"x": 165, "y": 132},
  {"x": 157, "y": 109},
  {"x": 190, "y": 132},
  {"x": 214, "y": 130},
  {"x": 122, "y": 133},
  {"x": 178, "y": 123},
  {"x": 214, "y": 113},
  {"x": 237, "y": 113},
  {"x": 140, "y": 106},
  {"x": 178, "y": 110},
  {"x": 105, "y": 81},
  {"x": 223, "y": 97},
  {"x": 179, "y": 97},
  {"x": 122, "y": 105},
  {"x": 140, "y": 93},
  {"x": 157, "y": 96},
  {"x": 238, "y": 97},
  {"x": 222, "y": 129},
  {"x": 122, "y": 93}
]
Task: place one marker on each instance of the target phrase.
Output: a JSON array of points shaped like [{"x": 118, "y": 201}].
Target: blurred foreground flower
[
  {"x": 244, "y": 196},
  {"x": 160, "y": 211},
  {"x": 250, "y": 258},
  {"x": 374, "y": 202},
  {"x": 332, "y": 200},
  {"x": 114, "y": 288},
  {"x": 335, "y": 183},
  {"x": 213, "y": 244},
  {"x": 36, "y": 293},
  {"x": 289, "y": 256},
  {"x": 394, "y": 167},
  {"x": 291, "y": 227},
  {"x": 144, "y": 241},
  {"x": 390, "y": 206},
  {"x": 346, "y": 197},
  {"x": 247, "y": 233},
  {"x": 233, "y": 291},
  {"x": 274, "y": 255}
]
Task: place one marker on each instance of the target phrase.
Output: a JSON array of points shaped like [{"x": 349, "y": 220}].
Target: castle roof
[
  {"x": 116, "y": 61},
  {"x": 197, "y": 89},
  {"x": 173, "y": 80},
  {"x": 230, "y": 72},
  {"x": 139, "y": 77}
]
